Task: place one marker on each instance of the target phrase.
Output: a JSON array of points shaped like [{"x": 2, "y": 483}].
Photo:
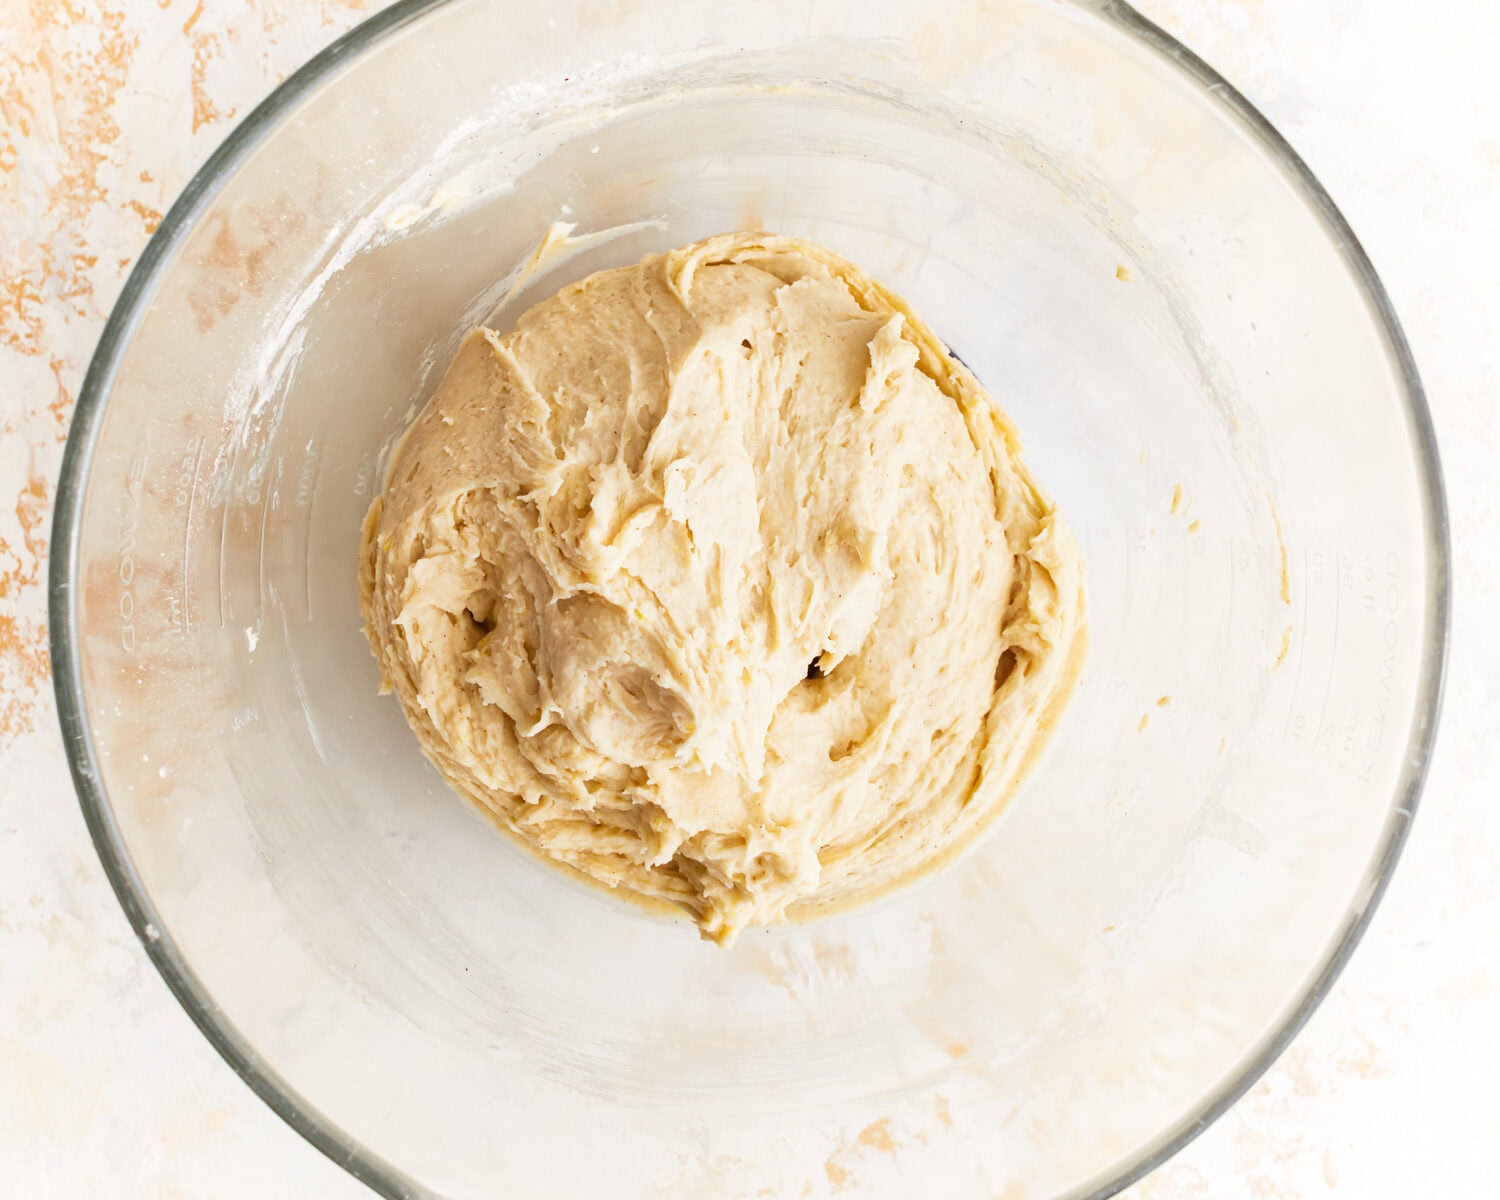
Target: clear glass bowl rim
[{"x": 359, "y": 1160}]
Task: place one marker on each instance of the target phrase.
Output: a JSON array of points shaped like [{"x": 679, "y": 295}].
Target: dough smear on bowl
[{"x": 721, "y": 581}]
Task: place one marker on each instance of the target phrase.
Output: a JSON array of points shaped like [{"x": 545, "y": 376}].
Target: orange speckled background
[
  {"x": 105, "y": 111},
  {"x": 106, "y": 1089}
]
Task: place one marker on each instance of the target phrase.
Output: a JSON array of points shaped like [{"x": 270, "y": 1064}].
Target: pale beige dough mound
[{"x": 721, "y": 581}]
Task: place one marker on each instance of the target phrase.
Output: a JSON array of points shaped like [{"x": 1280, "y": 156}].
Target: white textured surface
[{"x": 105, "y": 1086}]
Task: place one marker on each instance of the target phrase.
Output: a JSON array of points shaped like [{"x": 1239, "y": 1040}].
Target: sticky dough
[{"x": 721, "y": 581}]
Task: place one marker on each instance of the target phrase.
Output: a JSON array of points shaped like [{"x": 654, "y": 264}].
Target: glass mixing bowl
[{"x": 1209, "y": 380}]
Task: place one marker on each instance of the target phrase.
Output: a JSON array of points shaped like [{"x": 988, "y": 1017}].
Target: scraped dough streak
[{"x": 721, "y": 581}]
